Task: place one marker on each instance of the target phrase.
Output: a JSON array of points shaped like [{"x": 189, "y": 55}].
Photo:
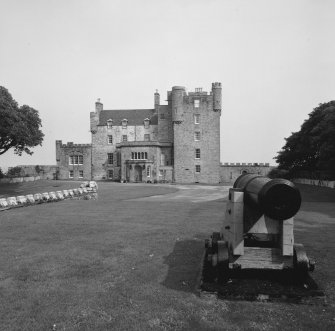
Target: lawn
[{"x": 124, "y": 262}]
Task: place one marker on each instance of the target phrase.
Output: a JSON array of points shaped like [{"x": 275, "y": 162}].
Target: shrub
[
  {"x": 38, "y": 169},
  {"x": 14, "y": 172},
  {"x": 279, "y": 173}
]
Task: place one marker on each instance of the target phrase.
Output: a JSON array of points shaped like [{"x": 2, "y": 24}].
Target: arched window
[
  {"x": 142, "y": 155},
  {"x": 146, "y": 155}
]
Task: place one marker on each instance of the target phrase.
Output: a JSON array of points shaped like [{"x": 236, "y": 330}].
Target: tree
[
  {"x": 313, "y": 147},
  {"x": 19, "y": 126},
  {"x": 15, "y": 172}
]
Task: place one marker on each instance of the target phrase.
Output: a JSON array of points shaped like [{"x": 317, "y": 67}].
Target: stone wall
[
  {"x": 185, "y": 144},
  {"x": 230, "y": 171},
  {"x": 101, "y": 146},
  {"x": 315, "y": 182},
  {"x": 165, "y": 128},
  {"x": 40, "y": 171},
  {"x": 146, "y": 170},
  {"x": 19, "y": 180},
  {"x": 64, "y": 152}
]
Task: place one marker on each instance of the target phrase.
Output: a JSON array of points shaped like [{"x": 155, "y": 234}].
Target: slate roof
[{"x": 134, "y": 116}]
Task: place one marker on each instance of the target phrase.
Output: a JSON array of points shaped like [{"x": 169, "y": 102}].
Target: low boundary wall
[
  {"x": 19, "y": 179},
  {"x": 316, "y": 182}
]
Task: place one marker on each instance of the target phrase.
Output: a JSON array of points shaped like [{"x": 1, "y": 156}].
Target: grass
[{"x": 122, "y": 263}]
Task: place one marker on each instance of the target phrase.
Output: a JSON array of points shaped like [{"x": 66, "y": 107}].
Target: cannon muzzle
[{"x": 277, "y": 198}]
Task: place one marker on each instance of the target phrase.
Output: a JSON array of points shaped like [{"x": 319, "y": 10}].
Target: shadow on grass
[{"x": 185, "y": 265}]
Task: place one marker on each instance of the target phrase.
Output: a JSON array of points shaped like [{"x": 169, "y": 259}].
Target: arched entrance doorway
[{"x": 138, "y": 173}]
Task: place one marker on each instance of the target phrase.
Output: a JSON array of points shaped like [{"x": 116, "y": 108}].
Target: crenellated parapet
[
  {"x": 243, "y": 164},
  {"x": 72, "y": 145}
]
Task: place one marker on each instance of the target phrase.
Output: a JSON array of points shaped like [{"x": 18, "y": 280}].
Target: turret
[
  {"x": 217, "y": 96},
  {"x": 177, "y": 102},
  {"x": 157, "y": 100}
]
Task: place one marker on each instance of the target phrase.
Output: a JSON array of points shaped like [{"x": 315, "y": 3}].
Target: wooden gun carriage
[{"x": 258, "y": 229}]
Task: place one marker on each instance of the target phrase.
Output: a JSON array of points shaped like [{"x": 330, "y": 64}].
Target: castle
[{"x": 178, "y": 142}]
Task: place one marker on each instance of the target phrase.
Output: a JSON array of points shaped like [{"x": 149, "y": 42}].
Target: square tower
[{"x": 196, "y": 134}]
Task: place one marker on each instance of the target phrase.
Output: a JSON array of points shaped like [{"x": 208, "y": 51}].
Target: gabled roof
[{"x": 134, "y": 116}]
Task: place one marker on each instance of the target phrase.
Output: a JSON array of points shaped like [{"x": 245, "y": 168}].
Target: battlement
[
  {"x": 71, "y": 144},
  {"x": 197, "y": 93},
  {"x": 237, "y": 164},
  {"x": 216, "y": 85}
]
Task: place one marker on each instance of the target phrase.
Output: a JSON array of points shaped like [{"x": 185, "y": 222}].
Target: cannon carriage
[{"x": 258, "y": 229}]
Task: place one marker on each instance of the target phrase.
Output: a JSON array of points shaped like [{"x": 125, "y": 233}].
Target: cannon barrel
[{"x": 277, "y": 198}]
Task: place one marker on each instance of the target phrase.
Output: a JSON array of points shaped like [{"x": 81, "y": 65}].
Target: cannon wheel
[
  {"x": 223, "y": 255},
  {"x": 223, "y": 261},
  {"x": 300, "y": 259}
]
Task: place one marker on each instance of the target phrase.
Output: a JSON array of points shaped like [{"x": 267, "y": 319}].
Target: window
[
  {"x": 124, "y": 123},
  {"x": 197, "y": 168},
  {"x": 163, "y": 159},
  {"x": 76, "y": 159},
  {"x": 146, "y": 123},
  {"x": 81, "y": 173},
  {"x": 109, "y": 124},
  {"x": 161, "y": 172},
  {"x": 196, "y": 103},
  {"x": 162, "y": 116},
  {"x": 148, "y": 171},
  {"x": 110, "y": 158},
  {"x": 71, "y": 174},
  {"x": 197, "y": 119},
  {"x": 139, "y": 155},
  {"x": 124, "y": 137},
  {"x": 197, "y": 153},
  {"x": 197, "y": 136},
  {"x": 110, "y": 174},
  {"x": 110, "y": 139},
  {"x": 146, "y": 137}
]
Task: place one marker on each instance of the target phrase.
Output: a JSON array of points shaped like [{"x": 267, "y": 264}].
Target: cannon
[{"x": 258, "y": 228}]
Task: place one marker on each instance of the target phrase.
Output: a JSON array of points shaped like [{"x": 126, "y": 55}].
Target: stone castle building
[{"x": 178, "y": 142}]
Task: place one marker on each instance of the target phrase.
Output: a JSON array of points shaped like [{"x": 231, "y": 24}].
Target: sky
[{"x": 275, "y": 60}]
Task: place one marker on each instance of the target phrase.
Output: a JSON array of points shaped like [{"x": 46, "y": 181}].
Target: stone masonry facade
[
  {"x": 178, "y": 142},
  {"x": 73, "y": 161},
  {"x": 230, "y": 171}
]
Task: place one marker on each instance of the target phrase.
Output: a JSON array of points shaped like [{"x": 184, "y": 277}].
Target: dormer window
[
  {"x": 109, "y": 124},
  {"x": 124, "y": 123},
  {"x": 146, "y": 123}
]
